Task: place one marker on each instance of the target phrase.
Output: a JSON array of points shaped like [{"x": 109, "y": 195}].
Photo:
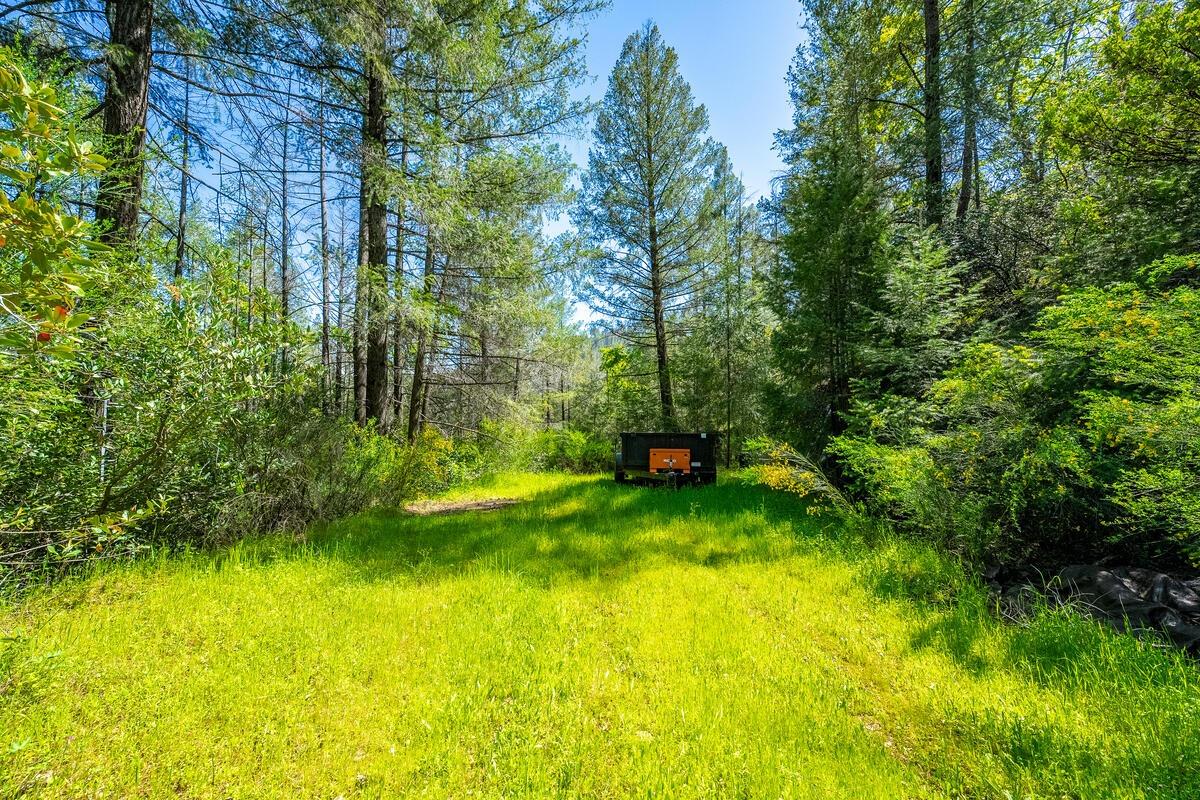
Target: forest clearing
[
  {"x": 321, "y": 320},
  {"x": 594, "y": 640}
]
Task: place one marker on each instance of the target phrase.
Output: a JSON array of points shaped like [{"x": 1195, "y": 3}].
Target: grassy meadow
[{"x": 593, "y": 641}]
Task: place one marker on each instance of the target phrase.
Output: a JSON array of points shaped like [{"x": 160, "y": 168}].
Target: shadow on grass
[
  {"x": 584, "y": 528},
  {"x": 1053, "y": 647}
]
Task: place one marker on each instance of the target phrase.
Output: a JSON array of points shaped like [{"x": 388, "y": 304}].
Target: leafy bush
[
  {"x": 167, "y": 413},
  {"x": 571, "y": 451},
  {"x": 1083, "y": 440},
  {"x": 44, "y": 251},
  {"x": 181, "y": 407}
]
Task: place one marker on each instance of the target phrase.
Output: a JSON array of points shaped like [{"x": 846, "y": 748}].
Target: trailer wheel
[{"x": 620, "y": 476}]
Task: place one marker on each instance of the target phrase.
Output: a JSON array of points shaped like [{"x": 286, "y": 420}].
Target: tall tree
[
  {"x": 934, "y": 179},
  {"x": 326, "y": 361},
  {"x": 126, "y": 102},
  {"x": 824, "y": 291},
  {"x": 642, "y": 206},
  {"x": 374, "y": 162},
  {"x": 285, "y": 231},
  {"x": 181, "y": 223}
]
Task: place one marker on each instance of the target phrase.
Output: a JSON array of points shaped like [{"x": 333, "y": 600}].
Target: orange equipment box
[{"x": 667, "y": 459}]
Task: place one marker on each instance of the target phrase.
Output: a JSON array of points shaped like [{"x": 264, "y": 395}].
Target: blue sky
[{"x": 734, "y": 54}]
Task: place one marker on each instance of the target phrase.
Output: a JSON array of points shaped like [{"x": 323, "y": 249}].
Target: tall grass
[{"x": 594, "y": 641}]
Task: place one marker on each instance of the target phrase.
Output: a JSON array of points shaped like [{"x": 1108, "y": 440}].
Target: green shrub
[
  {"x": 1083, "y": 439},
  {"x": 173, "y": 414},
  {"x": 570, "y": 451}
]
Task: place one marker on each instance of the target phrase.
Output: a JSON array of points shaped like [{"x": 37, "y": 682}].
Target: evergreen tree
[
  {"x": 823, "y": 291},
  {"x": 721, "y": 358},
  {"x": 642, "y": 207}
]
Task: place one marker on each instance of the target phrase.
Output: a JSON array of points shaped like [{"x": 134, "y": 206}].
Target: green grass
[{"x": 595, "y": 641}]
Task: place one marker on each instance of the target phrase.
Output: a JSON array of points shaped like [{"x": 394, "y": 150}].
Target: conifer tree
[{"x": 642, "y": 207}]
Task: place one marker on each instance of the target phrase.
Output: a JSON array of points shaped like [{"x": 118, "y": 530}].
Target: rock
[{"x": 1134, "y": 599}]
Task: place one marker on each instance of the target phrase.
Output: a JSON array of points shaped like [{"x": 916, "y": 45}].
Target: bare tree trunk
[
  {"x": 181, "y": 225},
  {"x": 485, "y": 356},
  {"x": 418, "y": 380},
  {"x": 969, "y": 116},
  {"x": 665, "y": 395},
  {"x": 325, "y": 354},
  {"x": 266, "y": 282},
  {"x": 399, "y": 348},
  {"x": 934, "y": 180},
  {"x": 978, "y": 178},
  {"x": 285, "y": 233},
  {"x": 424, "y": 415},
  {"x": 361, "y": 290},
  {"x": 249, "y": 276},
  {"x": 377, "y": 279},
  {"x": 126, "y": 101},
  {"x": 339, "y": 385}
]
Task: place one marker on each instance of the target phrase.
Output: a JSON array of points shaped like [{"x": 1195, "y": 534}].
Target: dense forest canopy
[{"x": 264, "y": 264}]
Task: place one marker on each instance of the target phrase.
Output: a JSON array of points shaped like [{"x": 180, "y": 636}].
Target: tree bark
[
  {"x": 361, "y": 291},
  {"x": 325, "y": 353},
  {"x": 665, "y": 394},
  {"x": 181, "y": 223},
  {"x": 969, "y": 116},
  {"x": 285, "y": 233},
  {"x": 266, "y": 281},
  {"x": 417, "y": 392},
  {"x": 399, "y": 345},
  {"x": 934, "y": 180},
  {"x": 339, "y": 381},
  {"x": 377, "y": 324},
  {"x": 126, "y": 101}
]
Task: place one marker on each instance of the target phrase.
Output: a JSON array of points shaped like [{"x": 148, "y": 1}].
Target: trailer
[{"x": 672, "y": 459}]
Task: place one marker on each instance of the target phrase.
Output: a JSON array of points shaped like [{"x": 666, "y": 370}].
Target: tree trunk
[
  {"x": 417, "y": 392},
  {"x": 399, "y": 346},
  {"x": 426, "y": 386},
  {"x": 266, "y": 281},
  {"x": 377, "y": 324},
  {"x": 361, "y": 290},
  {"x": 181, "y": 224},
  {"x": 934, "y": 189},
  {"x": 969, "y": 116},
  {"x": 126, "y": 100},
  {"x": 250, "y": 280},
  {"x": 658, "y": 310},
  {"x": 339, "y": 381},
  {"x": 665, "y": 394},
  {"x": 285, "y": 232},
  {"x": 325, "y": 354}
]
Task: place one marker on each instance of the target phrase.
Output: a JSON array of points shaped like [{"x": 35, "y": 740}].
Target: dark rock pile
[{"x": 1128, "y": 598}]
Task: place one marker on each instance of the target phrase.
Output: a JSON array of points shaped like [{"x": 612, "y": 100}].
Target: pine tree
[{"x": 642, "y": 207}]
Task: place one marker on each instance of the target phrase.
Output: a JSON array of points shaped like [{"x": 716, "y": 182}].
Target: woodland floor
[{"x": 593, "y": 640}]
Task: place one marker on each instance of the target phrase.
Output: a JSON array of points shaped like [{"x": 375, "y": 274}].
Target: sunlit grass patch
[{"x": 593, "y": 641}]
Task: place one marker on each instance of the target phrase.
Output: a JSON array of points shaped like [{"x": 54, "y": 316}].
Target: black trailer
[{"x": 669, "y": 458}]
